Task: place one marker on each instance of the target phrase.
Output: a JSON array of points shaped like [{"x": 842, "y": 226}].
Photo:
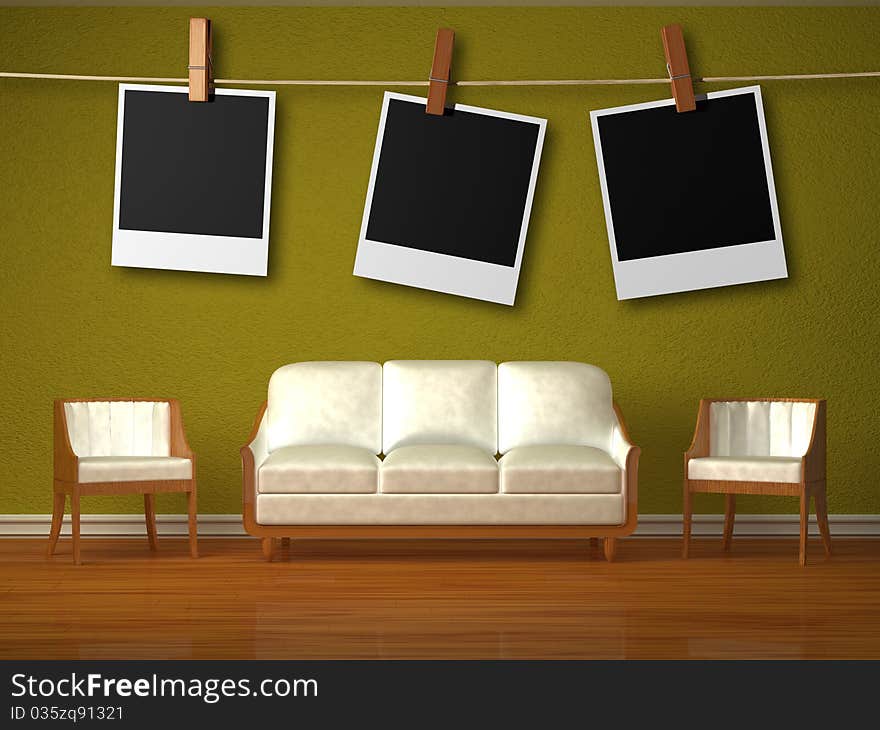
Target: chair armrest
[
  {"x": 179, "y": 445},
  {"x": 700, "y": 442},
  {"x": 66, "y": 463},
  {"x": 253, "y": 454},
  {"x": 814, "y": 459}
]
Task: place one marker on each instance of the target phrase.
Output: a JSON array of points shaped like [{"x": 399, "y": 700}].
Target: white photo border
[
  {"x": 707, "y": 268},
  {"x": 436, "y": 271},
  {"x": 192, "y": 251}
]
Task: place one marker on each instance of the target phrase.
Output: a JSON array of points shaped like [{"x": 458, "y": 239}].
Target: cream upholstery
[
  {"x": 746, "y": 469},
  {"x": 438, "y": 469},
  {"x": 319, "y": 469},
  {"x": 760, "y": 428},
  {"x": 559, "y": 470},
  {"x": 93, "y": 469},
  {"x": 554, "y": 403},
  {"x": 326, "y": 403},
  {"x": 439, "y": 424},
  {"x": 439, "y": 402},
  {"x": 440, "y": 509},
  {"x": 118, "y": 428}
]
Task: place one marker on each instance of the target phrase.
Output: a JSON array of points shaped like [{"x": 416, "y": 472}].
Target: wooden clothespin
[
  {"x": 439, "y": 78},
  {"x": 201, "y": 71},
  {"x": 678, "y": 68}
]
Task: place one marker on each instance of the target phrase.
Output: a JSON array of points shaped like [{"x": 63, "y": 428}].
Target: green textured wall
[{"x": 73, "y": 326}]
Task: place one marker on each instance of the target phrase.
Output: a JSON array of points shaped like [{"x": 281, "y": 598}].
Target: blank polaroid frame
[
  {"x": 416, "y": 248},
  {"x": 696, "y": 188},
  {"x": 197, "y": 190}
]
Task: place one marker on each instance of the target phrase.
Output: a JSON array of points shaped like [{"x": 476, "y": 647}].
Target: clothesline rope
[{"x": 533, "y": 82}]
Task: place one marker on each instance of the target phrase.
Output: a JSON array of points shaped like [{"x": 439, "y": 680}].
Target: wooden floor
[{"x": 491, "y": 600}]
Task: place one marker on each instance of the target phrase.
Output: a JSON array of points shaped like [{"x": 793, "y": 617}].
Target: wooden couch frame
[
  {"x": 67, "y": 484},
  {"x": 812, "y": 482},
  {"x": 271, "y": 533}
]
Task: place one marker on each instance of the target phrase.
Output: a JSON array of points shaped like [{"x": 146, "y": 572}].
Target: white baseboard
[
  {"x": 231, "y": 526},
  {"x": 122, "y": 525},
  {"x": 758, "y": 525}
]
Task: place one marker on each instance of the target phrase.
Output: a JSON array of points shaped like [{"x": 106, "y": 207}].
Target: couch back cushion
[
  {"x": 554, "y": 403},
  {"x": 325, "y": 403},
  {"x": 440, "y": 402},
  {"x": 760, "y": 428},
  {"x": 119, "y": 428}
]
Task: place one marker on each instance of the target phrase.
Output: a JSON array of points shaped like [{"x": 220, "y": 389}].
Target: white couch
[{"x": 313, "y": 466}]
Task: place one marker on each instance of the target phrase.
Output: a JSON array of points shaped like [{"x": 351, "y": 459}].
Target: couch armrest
[
  {"x": 626, "y": 456},
  {"x": 620, "y": 440},
  {"x": 66, "y": 462},
  {"x": 253, "y": 454},
  {"x": 700, "y": 442}
]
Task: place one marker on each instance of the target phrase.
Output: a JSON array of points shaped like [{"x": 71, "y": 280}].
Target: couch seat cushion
[
  {"x": 133, "y": 468},
  {"x": 319, "y": 470},
  {"x": 441, "y": 469},
  {"x": 746, "y": 468},
  {"x": 559, "y": 470}
]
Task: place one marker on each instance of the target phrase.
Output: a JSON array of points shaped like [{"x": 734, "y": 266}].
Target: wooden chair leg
[
  {"x": 805, "y": 519},
  {"x": 57, "y": 518},
  {"x": 193, "y": 524},
  {"x": 822, "y": 518},
  {"x": 610, "y": 548},
  {"x": 729, "y": 517},
  {"x": 74, "y": 524},
  {"x": 687, "y": 511},
  {"x": 268, "y": 548},
  {"x": 150, "y": 519}
]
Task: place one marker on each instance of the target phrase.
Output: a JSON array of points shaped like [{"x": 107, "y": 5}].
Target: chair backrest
[
  {"x": 118, "y": 427},
  {"x": 761, "y": 428},
  {"x": 440, "y": 402},
  {"x": 320, "y": 403},
  {"x": 554, "y": 403}
]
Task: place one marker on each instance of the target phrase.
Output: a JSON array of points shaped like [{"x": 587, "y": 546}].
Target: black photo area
[
  {"x": 689, "y": 181},
  {"x": 192, "y": 167},
  {"x": 454, "y": 185}
]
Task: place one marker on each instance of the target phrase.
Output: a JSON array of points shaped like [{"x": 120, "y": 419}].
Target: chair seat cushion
[
  {"x": 746, "y": 469},
  {"x": 559, "y": 470},
  {"x": 319, "y": 470},
  {"x": 440, "y": 469},
  {"x": 94, "y": 469}
]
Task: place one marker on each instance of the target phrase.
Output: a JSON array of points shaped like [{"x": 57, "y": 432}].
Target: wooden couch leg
[
  {"x": 610, "y": 548},
  {"x": 268, "y": 548}
]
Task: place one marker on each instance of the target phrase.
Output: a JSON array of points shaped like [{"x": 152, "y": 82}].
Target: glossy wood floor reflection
[{"x": 508, "y": 600}]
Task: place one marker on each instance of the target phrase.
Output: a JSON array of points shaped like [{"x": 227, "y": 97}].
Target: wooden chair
[
  {"x": 120, "y": 446},
  {"x": 771, "y": 446}
]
